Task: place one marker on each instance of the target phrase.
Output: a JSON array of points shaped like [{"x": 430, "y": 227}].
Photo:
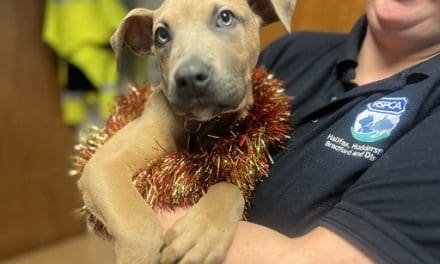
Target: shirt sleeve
[
  {"x": 393, "y": 211},
  {"x": 271, "y": 55}
]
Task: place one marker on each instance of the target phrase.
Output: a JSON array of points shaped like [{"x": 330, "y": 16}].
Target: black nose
[{"x": 193, "y": 78}]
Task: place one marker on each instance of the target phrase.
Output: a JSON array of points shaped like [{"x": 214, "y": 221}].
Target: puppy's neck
[{"x": 204, "y": 134}]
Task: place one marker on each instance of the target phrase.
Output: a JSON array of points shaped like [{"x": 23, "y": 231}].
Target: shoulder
[{"x": 300, "y": 47}]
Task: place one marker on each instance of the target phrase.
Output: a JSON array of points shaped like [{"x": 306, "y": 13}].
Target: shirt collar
[{"x": 348, "y": 60}]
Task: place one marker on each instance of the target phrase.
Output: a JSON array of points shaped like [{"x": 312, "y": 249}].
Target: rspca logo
[{"x": 379, "y": 119}]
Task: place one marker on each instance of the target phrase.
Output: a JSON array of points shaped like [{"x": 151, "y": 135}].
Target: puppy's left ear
[
  {"x": 135, "y": 31},
  {"x": 273, "y": 10}
]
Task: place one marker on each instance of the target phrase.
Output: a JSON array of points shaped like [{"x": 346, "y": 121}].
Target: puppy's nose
[{"x": 193, "y": 78}]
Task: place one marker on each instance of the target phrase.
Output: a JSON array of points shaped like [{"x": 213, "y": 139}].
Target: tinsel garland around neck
[{"x": 179, "y": 179}]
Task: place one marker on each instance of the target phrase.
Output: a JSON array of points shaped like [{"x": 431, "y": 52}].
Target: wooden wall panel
[
  {"x": 318, "y": 15},
  {"x": 37, "y": 197}
]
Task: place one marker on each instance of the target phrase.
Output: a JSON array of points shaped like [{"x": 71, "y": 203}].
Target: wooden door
[
  {"x": 318, "y": 15},
  {"x": 37, "y": 197}
]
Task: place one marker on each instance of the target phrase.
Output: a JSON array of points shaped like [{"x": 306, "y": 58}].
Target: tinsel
[{"x": 179, "y": 179}]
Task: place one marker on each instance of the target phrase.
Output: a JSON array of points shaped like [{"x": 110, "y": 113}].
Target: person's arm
[
  {"x": 257, "y": 244},
  {"x": 391, "y": 212}
]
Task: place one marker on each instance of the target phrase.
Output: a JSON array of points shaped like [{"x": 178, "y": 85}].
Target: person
[{"x": 360, "y": 180}]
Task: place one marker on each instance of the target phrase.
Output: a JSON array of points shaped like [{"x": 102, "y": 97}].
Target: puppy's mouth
[
  {"x": 220, "y": 97},
  {"x": 205, "y": 113}
]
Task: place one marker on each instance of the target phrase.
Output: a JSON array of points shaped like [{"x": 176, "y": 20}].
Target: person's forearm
[{"x": 257, "y": 244}]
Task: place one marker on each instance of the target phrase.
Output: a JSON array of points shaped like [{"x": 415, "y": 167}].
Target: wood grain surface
[
  {"x": 37, "y": 197},
  {"x": 318, "y": 15}
]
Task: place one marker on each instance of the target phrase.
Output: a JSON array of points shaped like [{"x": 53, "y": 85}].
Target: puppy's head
[{"x": 205, "y": 50}]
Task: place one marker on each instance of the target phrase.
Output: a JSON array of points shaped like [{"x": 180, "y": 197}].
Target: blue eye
[
  {"x": 225, "y": 19},
  {"x": 162, "y": 36}
]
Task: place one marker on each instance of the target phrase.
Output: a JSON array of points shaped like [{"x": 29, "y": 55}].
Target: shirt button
[{"x": 334, "y": 98}]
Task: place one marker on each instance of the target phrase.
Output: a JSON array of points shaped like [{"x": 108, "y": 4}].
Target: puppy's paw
[
  {"x": 205, "y": 233},
  {"x": 196, "y": 238}
]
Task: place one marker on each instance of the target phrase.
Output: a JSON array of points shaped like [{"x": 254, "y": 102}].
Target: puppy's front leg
[
  {"x": 109, "y": 195},
  {"x": 107, "y": 188},
  {"x": 205, "y": 233}
]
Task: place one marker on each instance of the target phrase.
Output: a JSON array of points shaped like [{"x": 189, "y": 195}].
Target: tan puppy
[{"x": 206, "y": 51}]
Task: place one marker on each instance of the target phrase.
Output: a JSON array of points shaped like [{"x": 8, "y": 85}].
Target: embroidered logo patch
[{"x": 379, "y": 119}]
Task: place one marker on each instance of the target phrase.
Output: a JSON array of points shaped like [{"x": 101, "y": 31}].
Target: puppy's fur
[{"x": 206, "y": 51}]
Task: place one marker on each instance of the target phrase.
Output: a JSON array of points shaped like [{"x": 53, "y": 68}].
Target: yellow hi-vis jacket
[{"x": 79, "y": 31}]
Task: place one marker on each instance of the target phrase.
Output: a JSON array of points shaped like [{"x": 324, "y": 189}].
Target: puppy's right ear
[
  {"x": 135, "y": 31},
  {"x": 274, "y": 10}
]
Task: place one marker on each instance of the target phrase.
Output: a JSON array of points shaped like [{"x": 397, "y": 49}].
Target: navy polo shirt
[{"x": 363, "y": 161}]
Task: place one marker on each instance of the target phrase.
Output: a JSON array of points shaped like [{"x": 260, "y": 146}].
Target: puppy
[{"x": 206, "y": 52}]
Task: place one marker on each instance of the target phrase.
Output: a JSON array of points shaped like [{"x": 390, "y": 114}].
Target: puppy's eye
[
  {"x": 162, "y": 36},
  {"x": 225, "y": 19}
]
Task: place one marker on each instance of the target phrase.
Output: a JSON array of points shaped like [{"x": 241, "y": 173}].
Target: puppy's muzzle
[
  {"x": 198, "y": 90},
  {"x": 192, "y": 79}
]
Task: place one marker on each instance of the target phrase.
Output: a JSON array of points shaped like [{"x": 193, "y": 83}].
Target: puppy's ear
[
  {"x": 273, "y": 10},
  {"x": 135, "y": 31}
]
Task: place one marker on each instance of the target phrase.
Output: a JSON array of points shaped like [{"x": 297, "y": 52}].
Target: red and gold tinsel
[{"x": 178, "y": 179}]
